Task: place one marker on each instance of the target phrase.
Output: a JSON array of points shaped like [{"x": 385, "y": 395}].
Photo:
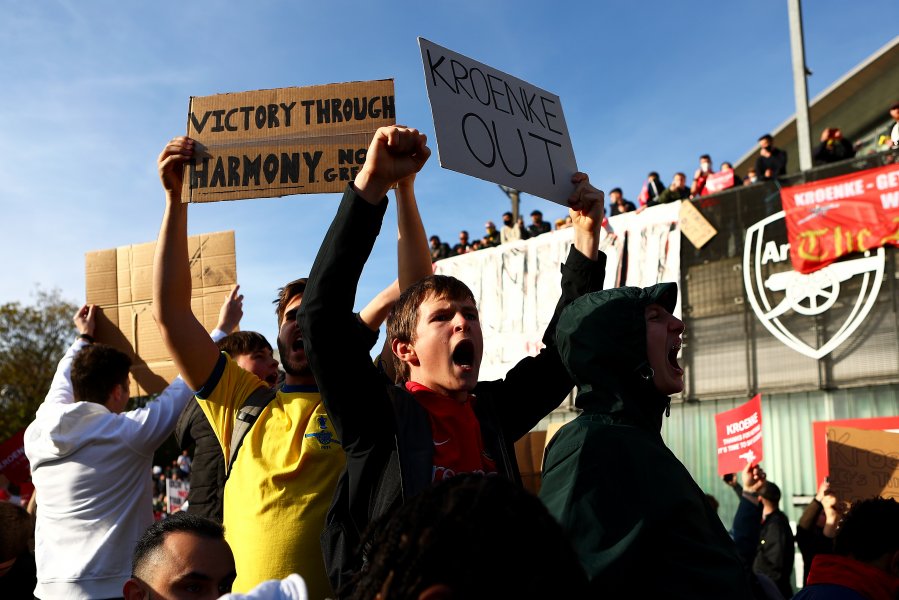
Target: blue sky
[{"x": 91, "y": 91}]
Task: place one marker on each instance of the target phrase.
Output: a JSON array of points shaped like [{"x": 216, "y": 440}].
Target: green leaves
[{"x": 32, "y": 340}]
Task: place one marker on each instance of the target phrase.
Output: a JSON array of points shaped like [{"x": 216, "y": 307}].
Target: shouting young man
[{"x": 441, "y": 421}]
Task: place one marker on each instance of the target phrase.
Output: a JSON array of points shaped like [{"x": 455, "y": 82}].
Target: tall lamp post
[
  {"x": 800, "y": 90},
  {"x": 513, "y": 195}
]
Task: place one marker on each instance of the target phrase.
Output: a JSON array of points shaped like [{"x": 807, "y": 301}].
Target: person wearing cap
[
  {"x": 775, "y": 552},
  {"x": 538, "y": 225},
  {"x": 641, "y": 525}
]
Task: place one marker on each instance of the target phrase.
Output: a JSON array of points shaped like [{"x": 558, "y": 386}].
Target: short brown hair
[
  {"x": 96, "y": 370},
  {"x": 403, "y": 318},
  {"x": 286, "y": 294},
  {"x": 243, "y": 342}
]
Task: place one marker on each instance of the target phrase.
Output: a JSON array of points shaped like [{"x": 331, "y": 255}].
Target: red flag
[{"x": 834, "y": 217}]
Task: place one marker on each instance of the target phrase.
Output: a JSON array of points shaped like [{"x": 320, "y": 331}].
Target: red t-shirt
[{"x": 458, "y": 447}]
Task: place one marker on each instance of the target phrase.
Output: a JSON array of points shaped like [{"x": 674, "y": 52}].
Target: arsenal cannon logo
[{"x": 812, "y": 314}]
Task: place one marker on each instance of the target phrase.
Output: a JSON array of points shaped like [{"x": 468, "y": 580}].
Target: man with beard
[{"x": 282, "y": 479}]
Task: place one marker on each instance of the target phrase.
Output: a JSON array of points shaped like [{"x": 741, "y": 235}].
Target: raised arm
[
  {"x": 194, "y": 353},
  {"x": 61, "y": 391},
  {"x": 413, "y": 253},
  {"x": 538, "y": 384},
  {"x": 330, "y": 331}
]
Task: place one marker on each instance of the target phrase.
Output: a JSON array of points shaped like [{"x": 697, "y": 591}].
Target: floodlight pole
[
  {"x": 800, "y": 90},
  {"x": 514, "y": 196}
]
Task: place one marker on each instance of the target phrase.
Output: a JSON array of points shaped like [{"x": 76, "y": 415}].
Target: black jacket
[
  {"x": 207, "y": 472},
  {"x": 384, "y": 431},
  {"x": 775, "y": 553}
]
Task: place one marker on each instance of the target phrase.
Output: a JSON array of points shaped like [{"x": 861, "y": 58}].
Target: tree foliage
[{"x": 32, "y": 341}]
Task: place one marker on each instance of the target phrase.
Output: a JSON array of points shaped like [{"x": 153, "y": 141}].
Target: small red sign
[
  {"x": 718, "y": 181},
  {"x": 739, "y": 436}
]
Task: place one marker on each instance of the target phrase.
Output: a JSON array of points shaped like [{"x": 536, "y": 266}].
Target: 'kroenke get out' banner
[{"x": 833, "y": 217}]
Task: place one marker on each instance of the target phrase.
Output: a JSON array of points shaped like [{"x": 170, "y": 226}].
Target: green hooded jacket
[{"x": 639, "y": 522}]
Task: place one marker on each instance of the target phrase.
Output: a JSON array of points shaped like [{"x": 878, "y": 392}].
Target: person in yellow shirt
[{"x": 286, "y": 467}]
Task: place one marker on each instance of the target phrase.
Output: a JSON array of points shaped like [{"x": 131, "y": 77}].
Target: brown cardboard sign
[
  {"x": 269, "y": 143},
  {"x": 863, "y": 463},
  {"x": 694, "y": 226},
  {"x": 120, "y": 280}
]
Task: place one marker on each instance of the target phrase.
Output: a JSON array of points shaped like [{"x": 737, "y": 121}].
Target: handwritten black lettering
[
  {"x": 492, "y": 160},
  {"x": 458, "y": 76},
  {"x": 549, "y": 157},
  {"x": 547, "y": 114},
  {"x": 474, "y": 88},
  {"x": 218, "y": 120}
]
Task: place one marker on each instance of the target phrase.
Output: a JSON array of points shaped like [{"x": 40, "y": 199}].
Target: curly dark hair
[
  {"x": 481, "y": 536},
  {"x": 869, "y": 530}
]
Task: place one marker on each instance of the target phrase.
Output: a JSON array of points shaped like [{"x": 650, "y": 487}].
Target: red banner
[
  {"x": 739, "y": 436},
  {"x": 14, "y": 464},
  {"x": 834, "y": 217},
  {"x": 718, "y": 181}
]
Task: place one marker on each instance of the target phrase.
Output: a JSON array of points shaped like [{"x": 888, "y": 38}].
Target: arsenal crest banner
[{"x": 833, "y": 217}]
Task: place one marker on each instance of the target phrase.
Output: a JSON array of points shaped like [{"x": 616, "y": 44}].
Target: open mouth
[
  {"x": 272, "y": 380},
  {"x": 672, "y": 357},
  {"x": 297, "y": 345},
  {"x": 463, "y": 355}
]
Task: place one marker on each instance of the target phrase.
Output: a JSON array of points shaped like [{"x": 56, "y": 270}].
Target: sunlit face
[
  {"x": 186, "y": 566},
  {"x": 679, "y": 181},
  {"x": 445, "y": 354},
  {"x": 260, "y": 363},
  {"x": 290, "y": 340},
  {"x": 663, "y": 342}
]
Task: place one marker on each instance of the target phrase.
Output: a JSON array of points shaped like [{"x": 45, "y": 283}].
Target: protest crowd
[
  {"x": 769, "y": 165},
  {"x": 325, "y": 474}
]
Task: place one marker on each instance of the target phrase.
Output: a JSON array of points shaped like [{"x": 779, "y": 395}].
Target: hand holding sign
[
  {"x": 394, "y": 153},
  {"x": 171, "y": 165},
  {"x": 85, "y": 319},
  {"x": 586, "y": 205}
]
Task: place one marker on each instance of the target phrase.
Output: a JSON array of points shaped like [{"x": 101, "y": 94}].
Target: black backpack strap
[{"x": 246, "y": 416}]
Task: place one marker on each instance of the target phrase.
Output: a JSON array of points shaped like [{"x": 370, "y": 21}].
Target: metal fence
[{"x": 729, "y": 352}]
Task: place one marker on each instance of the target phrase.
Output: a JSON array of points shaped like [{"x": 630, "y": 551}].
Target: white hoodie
[{"x": 91, "y": 469}]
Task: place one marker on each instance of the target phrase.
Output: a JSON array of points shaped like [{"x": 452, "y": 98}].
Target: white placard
[{"x": 497, "y": 127}]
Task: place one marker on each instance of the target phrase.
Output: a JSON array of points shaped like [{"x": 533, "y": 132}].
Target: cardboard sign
[
  {"x": 819, "y": 437},
  {"x": 176, "y": 492},
  {"x": 119, "y": 280},
  {"x": 718, "y": 181},
  {"x": 739, "y": 436},
  {"x": 862, "y": 463},
  {"x": 694, "y": 226},
  {"x": 497, "y": 127},
  {"x": 842, "y": 215},
  {"x": 269, "y": 143}
]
